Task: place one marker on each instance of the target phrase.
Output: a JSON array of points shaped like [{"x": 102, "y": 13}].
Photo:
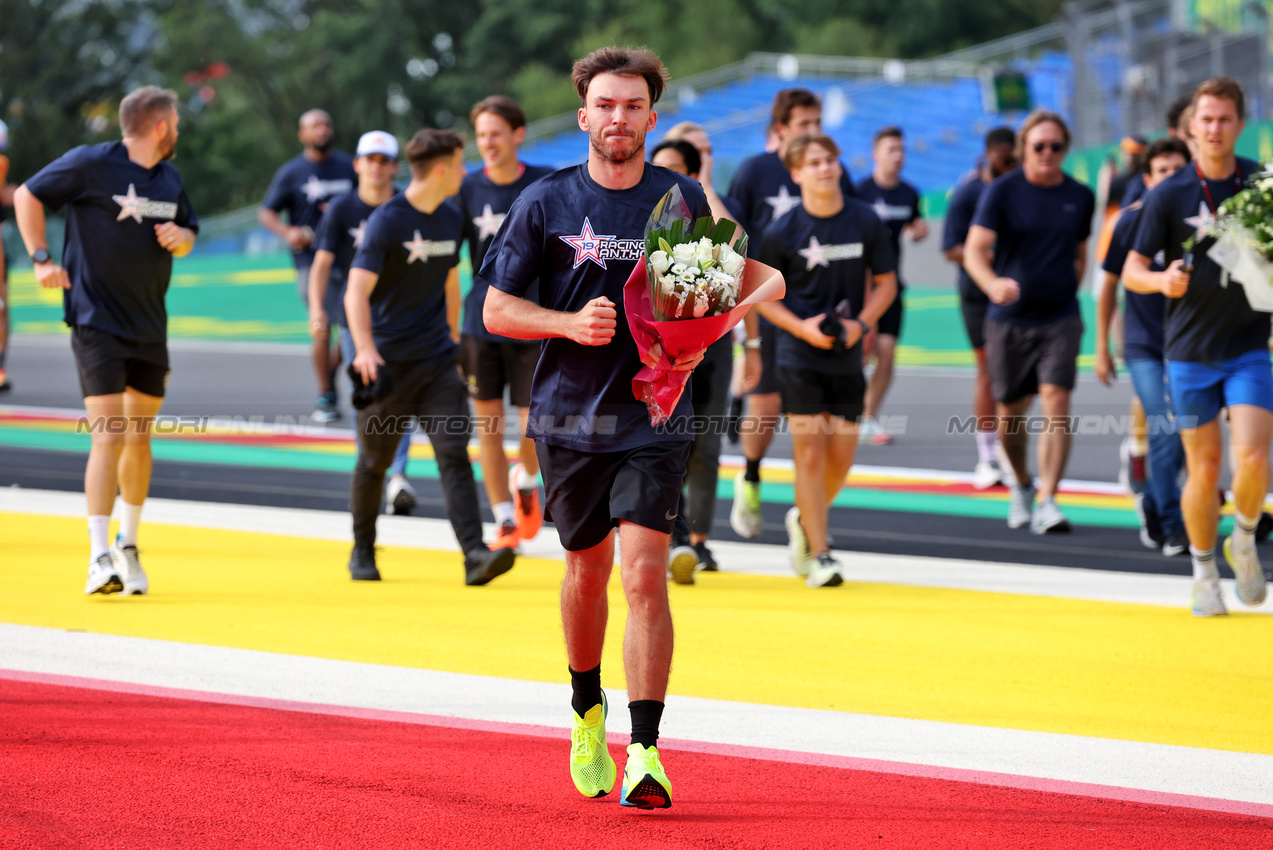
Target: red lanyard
[{"x": 1237, "y": 184}]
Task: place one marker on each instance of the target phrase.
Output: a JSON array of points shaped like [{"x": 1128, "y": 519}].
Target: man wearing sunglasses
[{"x": 1027, "y": 250}]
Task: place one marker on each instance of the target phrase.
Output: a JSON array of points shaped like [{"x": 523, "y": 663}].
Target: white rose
[
  {"x": 667, "y": 285},
  {"x": 685, "y": 253},
  {"x": 660, "y": 261},
  {"x": 722, "y": 278},
  {"x": 704, "y": 252},
  {"x": 731, "y": 262}
]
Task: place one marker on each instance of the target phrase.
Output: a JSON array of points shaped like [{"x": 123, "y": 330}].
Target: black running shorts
[
  {"x": 808, "y": 392},
  {"x": 890, "y": 324},
  {"x": 490, "y": 366},
  {"x": 588, "y": 493},
  {"x": 974, "y": 312},
  {"x": 1021, "y": 357},
  {"x": 108, "y": 364}
]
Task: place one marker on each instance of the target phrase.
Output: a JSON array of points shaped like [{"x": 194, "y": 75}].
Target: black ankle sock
[
  {"x": 587, "y": 689},
  {"x": 752, "y": 473},
  {"x": 646, "y": 714}
]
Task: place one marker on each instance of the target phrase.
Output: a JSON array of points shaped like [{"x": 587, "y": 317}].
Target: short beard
[
  {"x": 322, "y": 147},
  {"x": 597, "y": 143},
  {"x": 170, "y": 148}
]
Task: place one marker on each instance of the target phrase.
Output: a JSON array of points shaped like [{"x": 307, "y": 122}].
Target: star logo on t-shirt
[
  {"x": 783, "y": 202},
  {"x": 488, "y": 223},
  {"x": 815, "y": 254},
  {"x": 359, "y": 232},
  {"x": 587, "y": 245},
  {"x": 314, "y": 189},
  {"x": 417, "y": 249},
  {"x": 1201, "y": 222},
  {"x": 130, "y": 205}
]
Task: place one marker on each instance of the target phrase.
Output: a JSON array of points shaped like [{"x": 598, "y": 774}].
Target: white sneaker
[
  {"x": 744, "y": 516},
  {"x": 797, "y": 543},
  {"x": 986, "y": 474},
  {"x": 128, "y": 568},
  {"x": 1250, "y": 582},
  {"x": 824, "y": 571},
  {"x": 400, "y": 495},
  {"x": 1048, "y": 519},
  {"x": 1207, "y": 601},
  {"x": 681, "y": 562},
  {"x": 1020, "y": 506},
  {"x": 102, "y": 577}
]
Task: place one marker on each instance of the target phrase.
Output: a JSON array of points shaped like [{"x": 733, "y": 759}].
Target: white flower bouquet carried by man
[
  {"x": 1244, "y": 240},
  {"x": 695, "y": 287}
]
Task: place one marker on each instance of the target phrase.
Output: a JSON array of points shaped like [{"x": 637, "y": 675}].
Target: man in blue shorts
[
  {"x": 127, "y": 216},
  {"x": 580, "y": 232},
  {"x": 1216, "y": 345}
]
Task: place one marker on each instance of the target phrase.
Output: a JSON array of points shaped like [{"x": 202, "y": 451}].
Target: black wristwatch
[{"x": 41, "y": 256}]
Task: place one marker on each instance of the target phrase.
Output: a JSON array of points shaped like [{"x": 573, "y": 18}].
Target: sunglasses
[{"x": 1056, "y": 147}]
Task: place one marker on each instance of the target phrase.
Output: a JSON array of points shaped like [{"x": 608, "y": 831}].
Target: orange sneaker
[
  {"x": 526, "y": 508},
  {"x": 507, "y": 536}
]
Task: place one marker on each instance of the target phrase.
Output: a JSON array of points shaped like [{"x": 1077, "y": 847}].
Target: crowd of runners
[{"x": 543, "y": 327}]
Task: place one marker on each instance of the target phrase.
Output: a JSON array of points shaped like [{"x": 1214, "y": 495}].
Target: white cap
[{"x": 377, "y": 142}]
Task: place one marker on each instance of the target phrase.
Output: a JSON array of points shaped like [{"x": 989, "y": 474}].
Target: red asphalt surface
[{"x": 82, "y": 767}]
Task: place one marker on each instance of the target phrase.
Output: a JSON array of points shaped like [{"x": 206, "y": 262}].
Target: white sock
[
  {"x": 986, "y": 446},
  {"x": 526, "y": 481},
  {"x": 98, "y": 536},
  {"x": 129, "y": 521},
  {"x": 1243, "y": 531},
  {"x": 1204, "y": 564},
  {"x": 503, "y": 511}
]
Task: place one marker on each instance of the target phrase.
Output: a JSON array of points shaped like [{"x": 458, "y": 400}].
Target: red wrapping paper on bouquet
[{"x": 661, "y": 386}]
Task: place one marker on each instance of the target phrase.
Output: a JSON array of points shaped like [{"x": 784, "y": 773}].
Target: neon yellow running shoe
[
  {"x": 591, "y": 767},
  {"x": 645, "y": 785}
]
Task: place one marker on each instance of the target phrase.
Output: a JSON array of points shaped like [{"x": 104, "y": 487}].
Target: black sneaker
[
  {"x": 482, "y": 565},
  {"x": 735, "y": 418},
  {"x": 706, "y": 562},
  {"x": 1176, "y": 544},
  {"x": 362, "y": 564}
]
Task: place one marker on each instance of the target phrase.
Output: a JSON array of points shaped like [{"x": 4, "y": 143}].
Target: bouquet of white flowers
[
  {"x": 694, "y": 288},
  {"x": 1244, "y": 240}
]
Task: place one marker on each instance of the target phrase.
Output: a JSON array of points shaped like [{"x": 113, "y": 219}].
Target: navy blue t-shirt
[
  {"x": 302, "y": 188},
  {"x": 119, "y": 272},
  {"x": 959, "y": 213},
  {"x": 341, "y": 232},
  {"x": 1143, "y": 313},
  {"x": 763, "y": 185},
  {"x": 413, "y": 252},
  {"x": 1038, "y": 229},
  {"x": 896, "y": 207},
  {"x": 581, "y": 241},
  {"x": 1211, "y": 322},
  {"x": 1135, "y": 191},
  {"x": 484, "y": 204},
  {"x": 825, "y": 260}
]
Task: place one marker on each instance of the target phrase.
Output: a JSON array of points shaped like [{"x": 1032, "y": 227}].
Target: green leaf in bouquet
[
  {"x": 740, "y": 247},
  {"x": 723, "y": 232},
  {"x": 676, "y": 232},
  {"x": 701, "y": 228}
]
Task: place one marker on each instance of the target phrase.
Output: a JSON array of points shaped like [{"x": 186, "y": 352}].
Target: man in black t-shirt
[
  {"x": 1159, "y": 503},
  {"x": 493, "y": 362},
  {"x": 338, "y": 237},
  {"x": 403, "y": 307},
  {"x": 1034, "y": 223},
  {"x": 896, "y": 202},
  {"x": 824, "y": 249},
  {"x": 301, "y": 188},
  {"x": 1216, "y": 345},
  {"x": 763, "y": 185},
  {"x": 127, "y": 216},
  {"x": 1000, "y": 158},
  {"x": 579, "y": 232}
]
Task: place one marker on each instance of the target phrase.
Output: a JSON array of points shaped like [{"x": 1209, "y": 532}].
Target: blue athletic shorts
[{"x": 1199, "y": 390}]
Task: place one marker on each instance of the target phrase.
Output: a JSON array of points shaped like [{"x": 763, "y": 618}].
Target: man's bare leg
[
  {"x": 758, "y": 425},
  {"x": 1054, "y": 445},
  {"x": 490, "y": 438},
  {"x": 809, "y": 439},
  {"x": 135, "y": 461},
  {"x": 585, "y": 607},
  {"x": 1013, "y": 436},
  {"x": 647, "y": 639},
  {"x": 882, "y": 377}
]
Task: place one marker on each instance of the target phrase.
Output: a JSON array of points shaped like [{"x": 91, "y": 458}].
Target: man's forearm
[
  {"x": 319, "y": 277},
  {"x": 508, "y": 315},
  {"x": 881, "y": 297},
  {"x": 453, "y": 304},
  {"x": 1105, "y": 310},
  {"x": 780, "y": 316},
  {"x": 271, "y": 221},
  {"x": 1138, "y": 277},
  {"x": 29, "y": 213}
]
